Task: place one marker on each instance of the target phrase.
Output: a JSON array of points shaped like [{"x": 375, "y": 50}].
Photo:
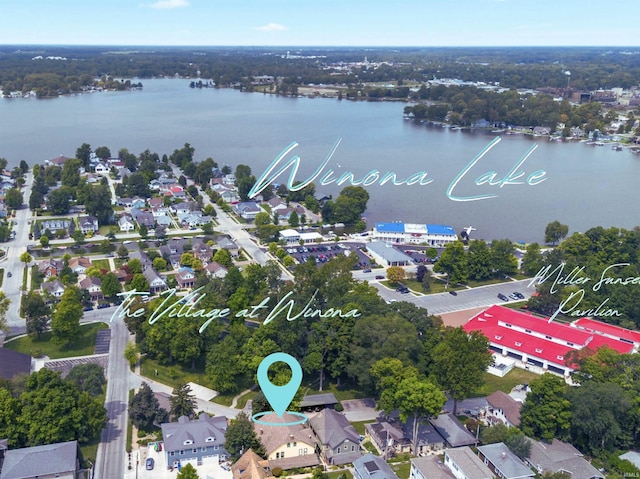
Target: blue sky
[{"x": 322, "y": 23}]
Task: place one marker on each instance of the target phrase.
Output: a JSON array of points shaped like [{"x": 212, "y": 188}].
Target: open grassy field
[{"x": 83, "y": 346}]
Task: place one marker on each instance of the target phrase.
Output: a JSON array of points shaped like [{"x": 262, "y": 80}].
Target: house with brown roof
[
  {"x": 93, "y": 286},
  {"x": 287, "y": 446},
  {"x": 251, "y": 466},
  {"x": 79, "y": 264},
  {"x": 215, "y": 270},
  {"x": 186, "y": 277},
  {"x": 50, "y": 267},
  {"x": 503, "y": 409}
]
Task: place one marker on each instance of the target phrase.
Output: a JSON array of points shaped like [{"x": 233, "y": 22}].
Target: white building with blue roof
[{"x": 414, "y": 233}]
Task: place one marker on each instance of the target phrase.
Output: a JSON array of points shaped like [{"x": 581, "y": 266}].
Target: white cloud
[
  {"x": 164, "y": 4},
  {"x": 272, "y": 27}
]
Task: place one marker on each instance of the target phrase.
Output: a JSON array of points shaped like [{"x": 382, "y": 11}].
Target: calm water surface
[{"x": 586, "y": 186}]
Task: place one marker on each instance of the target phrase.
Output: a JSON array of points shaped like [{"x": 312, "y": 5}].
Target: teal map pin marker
[{"x": 279, "y": 396}]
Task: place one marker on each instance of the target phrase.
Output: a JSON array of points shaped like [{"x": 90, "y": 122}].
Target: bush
[
  {"x": 276, "y": 471},
  {"x": 339, "y": 407}
]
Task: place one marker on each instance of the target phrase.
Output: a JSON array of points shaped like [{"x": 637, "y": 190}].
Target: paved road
[
  {"x": 11, "y": 286},
  {"x": 110, "y": 459}
]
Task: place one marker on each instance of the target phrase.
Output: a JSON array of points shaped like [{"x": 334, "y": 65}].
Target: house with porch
[
  {"x": 88, "y": 224},
  {"x": 94, "y": 286},
  {"x": 79, "y": 264},
  {"x": 53, "y": 288},
  {"x": 186, "y": 278},
  {"x": 503, "y": 409},
  {"x": 464, "y": 464},
  {"x": 156, "y": 283}
]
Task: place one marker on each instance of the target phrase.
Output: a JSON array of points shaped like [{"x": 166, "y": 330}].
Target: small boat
[{"x": 616, "y": 148}]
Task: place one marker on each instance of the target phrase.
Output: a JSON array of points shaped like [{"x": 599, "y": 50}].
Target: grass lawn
[
  {"x": 401, "y": 469},
  {"x": 172, "y": 374},
  {"x": 359, "y": 426},
  {"x": 84, "y": 346},
  {"x": 102, "y": 264},
  {"x": 90, "y": 450},
  {"x": 370, "y": 448},
  {"x": 337, "y": 474},
  {"x": 506, "y": 384}
]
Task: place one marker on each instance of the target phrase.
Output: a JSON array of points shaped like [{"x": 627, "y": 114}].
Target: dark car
[
  {"x": 103, "y": 305},
  {"x": 149, "y": 464},
  {"x": 503, "y": 297},
  {"x": 453, "y": 293},
  {"x": 402, "y": 289},
  {"x": 379, "y": 276},
  {"x": 518, "y": 295},
  {"x": 366, "y": 270},
  {"x": 9, "y": 274}
]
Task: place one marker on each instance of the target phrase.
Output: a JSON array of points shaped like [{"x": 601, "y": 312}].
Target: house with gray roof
[
  {"x": 318, "y": 401},
  {"x": 338, "y": 441},
  {"x": 558, "y": 456},
  {"x": 200, "y": 440},
  {"x": 429, "y": 467},
  {"x": 13, "y": 363},
  {"x": 464, "y": 464},
  {"x": 58, "y": 460},
  {"x": 386, "y": 255},
  {"x": 143, "y": 217},
  {"x": 225, "y": 243},
  {"x": 452, "y": 431},
  {"x": 372, "y": 467},
  {"x": 156, "y": 282},
  {"x": 88, "y": 224},
  {"x": 503, "y": 462},
  {"x": 55, "y": 288}
]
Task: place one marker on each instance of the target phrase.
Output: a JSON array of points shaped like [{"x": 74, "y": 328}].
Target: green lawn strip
[
  {"x": 90, "y": 451},
  {"x": 83, "y": 346},
  {"x": 242, "y": 400},
  {"x": 337, "y": 474},
  {"x": 370, "y": 448},
  {"x": 506, "y": 384},
  {"x": 101, "y": 264},
  {"x": 172, "y": 374},
  {"x": 359, "y": 426},
  {"x": 401, "y": 469},
  {"x": 128, "y": 446}
]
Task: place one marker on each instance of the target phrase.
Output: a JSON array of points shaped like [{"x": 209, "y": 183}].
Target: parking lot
[{"x": 324, "y": 252}]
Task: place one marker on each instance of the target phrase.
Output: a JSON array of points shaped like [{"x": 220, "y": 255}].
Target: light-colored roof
[
  {"x": 373, "y": 467},
  {"x": 177, "y": 435},
  {"x": 431, "y": 467},
  {"x": 561, "y": 456},
  {"x": 469, "y": 463},
  {"x": 36, "y": 461},
  {"x": 273, "y": 437},
  {"x": 506, "y": 462}
]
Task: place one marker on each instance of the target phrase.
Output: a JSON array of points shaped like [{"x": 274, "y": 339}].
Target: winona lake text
[
  {"x": 576, "y": 277},
  {"x": 515, "y": 176},
  {"x": 174, "y": 306}
]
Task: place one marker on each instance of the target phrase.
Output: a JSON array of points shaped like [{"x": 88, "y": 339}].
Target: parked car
[
  {"x": 368, "y": 270},
  {"x": 103, "y": 305},
  {"x": 379, "y": 276},
  {"x": 9, "y": 274},
  {"x": 503, "y": 297},
  {"x": 149, "y": 464},
  {"x": 518, "y": 295},
  {"x": 453, "y": 293}
]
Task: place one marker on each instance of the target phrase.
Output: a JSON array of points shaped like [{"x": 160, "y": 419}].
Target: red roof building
[{"x": 536, "y": 343}]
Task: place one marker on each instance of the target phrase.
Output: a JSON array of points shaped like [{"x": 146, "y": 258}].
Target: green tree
[
  {"x": 122, "y": 251},
  {"x": 554, "y": 232},
  {"x": 241, "y": 436},
  {"x": 65, "y": 323},
  {"x": 183, "y": 402},
  {"x": 479, "y": 261},
  {"x": 453, "y": 262},
  {"x": 532, "y": 260},
  {"x": 71, "y": 173},
  {"x": 143, "y": 231},
  {"x": 143, "y": 408},
  {"x": 88, "y": 377},
  {"x": 103, "y": 152},
  {"x": 294, "y": 220},
  {"x": 503, "y": 260},
  {"x": 110, "y": 285},
  {"x": 350, "y": 205},
  {"x": 36, "y": 312},
  {"x": 83, "y": 153},
  {"x": 26, "y": 258},
  {"x": 13, "y": 198},
  {"x": 188, "y": 472},
  {"x": 44, "y": 241},
  {"x": 223, "y": 257},
  {"x": 460, "y": 361},
  {"x": 139, "y": 282},
  {"x": 98, "y": 204},
  {"x": 59, "y": 201},
  {"x": 395, "y": 274},
  {"x": 546, "y": 414},
  {"x": 131, "y": 353}
]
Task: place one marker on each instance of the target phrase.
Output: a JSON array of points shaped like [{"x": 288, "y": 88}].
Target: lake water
[{"x": 585, "y": 185}]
